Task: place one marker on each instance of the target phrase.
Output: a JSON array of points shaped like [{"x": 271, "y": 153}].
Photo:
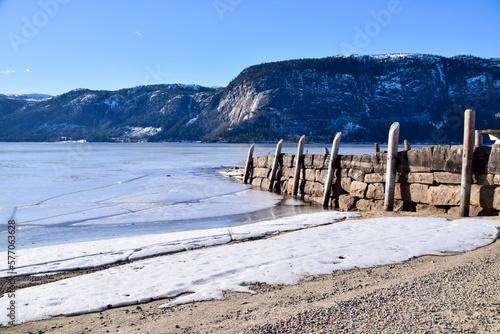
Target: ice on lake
[{"x": 67, "y": 192}]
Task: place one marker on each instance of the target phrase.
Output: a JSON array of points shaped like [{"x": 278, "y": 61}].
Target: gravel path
[{"x": 465, "y": 299}]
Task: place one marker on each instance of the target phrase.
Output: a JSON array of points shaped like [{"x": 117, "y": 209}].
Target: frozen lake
[{"x": 67, "y": 192}]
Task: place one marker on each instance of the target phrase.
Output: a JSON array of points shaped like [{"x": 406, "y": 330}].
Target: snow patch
[
  {"x": 392, "y": 84},
  {"x": 437, "y": 125},
  {"x": 477, "y": 80},
  {"x": 440, "y": 68},
  {"x": 112, "y": 101},
  {"x": 192, "y": 120},
  {"x": 155, "y": 94},
  {"x": 185, "y": 87},
  {"x": 30, "y": 97},
  {"x": 397, "y": 55},
  {"x": 140, "y": 132},
  {"x": 83, "y": 99},
  {"x": 351, "y": 127}
]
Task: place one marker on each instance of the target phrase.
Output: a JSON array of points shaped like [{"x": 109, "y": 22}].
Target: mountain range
[{"x": 361, "y": 96}]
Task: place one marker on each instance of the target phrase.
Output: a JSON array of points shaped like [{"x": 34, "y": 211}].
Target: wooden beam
[
  {"x": 248, "y": 165},
  {"x": 468, "y": 153},
  {"x": 274, "y": 169},
  {"x": 331, "y": 168},
  {"x": 298, "y": 163},
  {"x": 478, "y": 140},
  {"x": 390, "y": 175},
  {"x": 407, "y": 145}
]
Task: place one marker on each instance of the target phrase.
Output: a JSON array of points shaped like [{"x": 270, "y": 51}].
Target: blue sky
[{"x": 54, "y": 46}]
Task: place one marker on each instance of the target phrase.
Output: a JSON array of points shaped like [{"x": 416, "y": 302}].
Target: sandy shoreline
[{"x": 459, "y": 293}]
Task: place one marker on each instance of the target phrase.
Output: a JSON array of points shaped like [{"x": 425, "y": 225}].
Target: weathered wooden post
[
  {"x": 407, "y": 145},
  {"x": 331, "y": 168},
  {"x": 248, "y": 165},
  {"x": 298, "y": 162},
  {"x": 468, "y": 148},
  {"x": 390, "y": 175},
  {"x": 274, "y": 170},
  {"x": 478, "y": 141}
]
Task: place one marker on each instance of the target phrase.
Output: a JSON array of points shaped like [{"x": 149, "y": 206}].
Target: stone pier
[{"x": 427, "y": 179}]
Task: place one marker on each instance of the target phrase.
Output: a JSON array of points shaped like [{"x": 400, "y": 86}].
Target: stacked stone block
[{"x": 428, "y": 179}]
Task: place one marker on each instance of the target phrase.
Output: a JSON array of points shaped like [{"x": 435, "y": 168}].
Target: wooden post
[
  {"x": 468, "y": 148},
  {"x": 248, "y": 166},
  {"x": 377, "y": 148},
  {"x": 331, "y": 167},
  {"x": 298, "y": 162},
  {"x": 390, "y": 177},
  {"x": 407, "y": 145},
  {"x": 478, "y": 141},
  {"x": 274, "y": 170}
]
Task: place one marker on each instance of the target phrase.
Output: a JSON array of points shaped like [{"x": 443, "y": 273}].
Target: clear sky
[{"x": 54, "y": 46}]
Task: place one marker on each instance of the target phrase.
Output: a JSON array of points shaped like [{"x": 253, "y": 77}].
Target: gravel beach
[{"x": 457, "y": 293}]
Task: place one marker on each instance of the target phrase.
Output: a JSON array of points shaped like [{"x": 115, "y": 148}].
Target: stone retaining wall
[{"x": 427, "y": 180}]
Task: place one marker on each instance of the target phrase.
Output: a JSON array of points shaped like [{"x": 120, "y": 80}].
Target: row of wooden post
[{"x": 470, "y": 137}]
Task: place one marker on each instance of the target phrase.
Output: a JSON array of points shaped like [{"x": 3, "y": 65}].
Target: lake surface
[{"x": 65, "y": 192}]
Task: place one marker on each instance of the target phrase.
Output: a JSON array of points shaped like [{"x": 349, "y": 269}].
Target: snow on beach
[
  {"x": 205, "y": 273},
  {"x": 91, "y": 254}
]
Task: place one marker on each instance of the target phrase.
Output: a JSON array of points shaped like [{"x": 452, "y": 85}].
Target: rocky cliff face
[
  {"x": 358, "y": 95},
  {"x": 362, "y": 96}
]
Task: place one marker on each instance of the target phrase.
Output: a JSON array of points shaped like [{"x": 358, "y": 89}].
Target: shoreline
[{"x": 469, "y": 282}]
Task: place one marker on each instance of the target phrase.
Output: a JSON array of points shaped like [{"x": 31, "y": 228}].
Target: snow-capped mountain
[
  {"x": 358, "y": 95},
  {"x": 28, "y": 97}
]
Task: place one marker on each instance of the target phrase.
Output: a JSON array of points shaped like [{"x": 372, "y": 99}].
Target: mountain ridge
[{"x": 358, "y": 95}]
